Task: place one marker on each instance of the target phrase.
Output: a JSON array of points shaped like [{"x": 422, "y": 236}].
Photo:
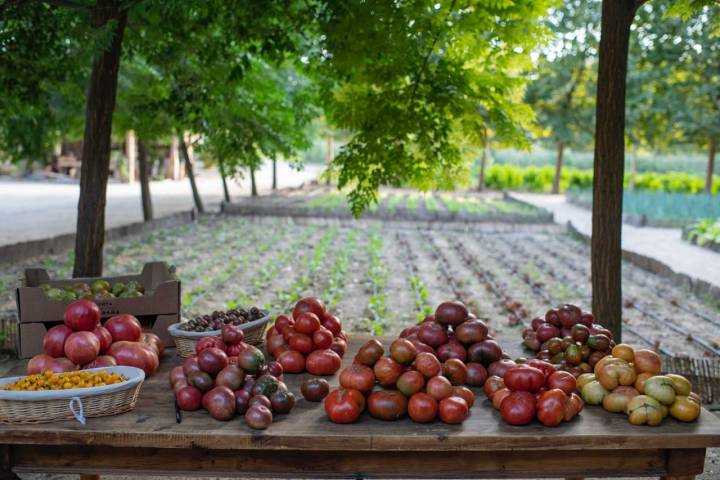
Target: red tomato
[
  {"x": 339, "y": 346},
  {"x": 309, "y": 304},
  {"x": 123, "y": 327},
  {"x": 83, "y": 315},
  {"x": 322, "y": 338},
  {"x": 477, "y": 374},
  {"x": 422, "y": 408},
  {"x": 465, "y": 393},
  {"x": 573, "y": 405},
  {"x": 438, "y": 387},
  {"x": 499, "y": 396},
  {"x": 274, "y": 343},
  {"x": 332, "y": 323},
  {"x": 370, "y": 353},
  {"x": 292, "y": 361},
  {"x": 282, "y": 323},
  {"x": 551, "y": 407},
  {"x": 563, "y": 380},
  {"x": 54, "y": 341},
  {"x": 323, "y": 362},
  {"x": 492, "y": 385},
  {"x": 344, "y": 405},
  {"x": 455, "y": 370},
  {"x": 519, "y": 407},
  {"x": 301, "y": 343},
  {"x": 387, "y": 371},
  {"x": 410, "y": 382},
  {"x": 387, "y": 404},
  {"x": 546, "y": 367},
  {"x": 524, "y": 378},
  {"x": 403, "y": 351},
  {"x": 453, "y": 410},
  {"x": 428, "y": 364},
  {"x": 358, "y": 377},
  {"x": 209, "y": 342},
  {"x": 307, "y": 323}
]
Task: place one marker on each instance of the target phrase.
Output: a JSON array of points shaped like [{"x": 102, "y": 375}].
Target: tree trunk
[
  {"x": 609, "y": 163},
  {"x": 253, "y": 185},
  {"x": 145, "y": 172},
  {"x": 329, "y": 155},
  {"x": 102, "y": 90},
  {"x": 226, "y": 192},
  {"x": 190, "y": 173},
  {"x": 483, "y": 161},
  {"x": 274, "y": 181},
  {"x": 558, "y": 167},
  {"x": 712, "y": 150}
]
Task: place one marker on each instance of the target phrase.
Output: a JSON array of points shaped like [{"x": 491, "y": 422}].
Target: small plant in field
[
  {"x": 412, "y": 201},
  {"x": 338, "y": 275},
  {"x": 377, "y": 279},
  {"x": 393, "y": 203},
  {"x": 431, "y": 203},
  {"x": 705, "y": 231},
  {"x": 422, "y": 302}
]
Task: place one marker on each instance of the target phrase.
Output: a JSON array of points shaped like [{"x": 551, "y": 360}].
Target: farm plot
[
  {"x": 394, "y": 204},
  {"x": 381, "y": 277}
]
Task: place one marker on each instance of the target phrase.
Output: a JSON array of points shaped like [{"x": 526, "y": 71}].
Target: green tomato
[
  {"x": 660, "y": 388},
  {"x": 593, "y": 393}
]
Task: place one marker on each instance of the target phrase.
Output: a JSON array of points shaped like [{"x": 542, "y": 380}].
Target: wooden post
[
  {"x": 95, "y": 169},
  {"x": 558, "y": 167},
  {"x": 191, "y": 174},
  {"x": 609, "y": 163},
  {"x": 712, "y": 150},
  {"x": 145, "y": 172},
  {"x": 131, "y": 154},
  {"x": 274, "y": 174}
]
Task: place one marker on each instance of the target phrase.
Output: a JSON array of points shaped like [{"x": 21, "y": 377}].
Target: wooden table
[{"x": 304, "y": 444}]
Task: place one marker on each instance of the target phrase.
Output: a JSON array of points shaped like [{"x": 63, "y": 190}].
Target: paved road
[
  {"x": 663, "y": 244},
  {"x": 41, "y": 209}
]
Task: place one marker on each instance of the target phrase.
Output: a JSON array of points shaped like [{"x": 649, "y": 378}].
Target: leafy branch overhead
[{"x": 416, "y": 81}]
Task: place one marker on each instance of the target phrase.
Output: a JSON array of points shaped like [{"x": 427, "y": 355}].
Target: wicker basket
[
  {"x": 55, "y": 405},
  {"x": 185, "y": 341}
]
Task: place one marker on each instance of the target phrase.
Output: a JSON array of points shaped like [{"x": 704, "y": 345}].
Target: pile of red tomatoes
[
  {"x": 410, "y": 383},
  {"x": 228, "y": 377},
  {"x": 82, "y": 342},
  {"x": 310, "y": 340},
  {"x": 534, "y": 389}
]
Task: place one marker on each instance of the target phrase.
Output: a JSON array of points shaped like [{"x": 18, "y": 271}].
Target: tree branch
[{"x": 426, "y": 60}]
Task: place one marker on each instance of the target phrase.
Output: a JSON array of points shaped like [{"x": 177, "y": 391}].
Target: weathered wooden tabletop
[{"x": 304, "y": 442}]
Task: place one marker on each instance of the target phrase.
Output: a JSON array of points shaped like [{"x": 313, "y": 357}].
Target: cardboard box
[{"x": 156, "y": 310}]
